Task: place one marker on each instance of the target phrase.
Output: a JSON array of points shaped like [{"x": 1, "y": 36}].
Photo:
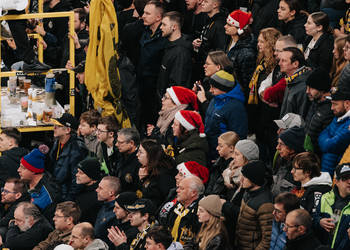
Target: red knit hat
[
  {"x": 239, "y": 19},
  {"x": 190, "y": 120},
  {"x": 193, "y": 168},
  {"x": 181, "y": 95}
]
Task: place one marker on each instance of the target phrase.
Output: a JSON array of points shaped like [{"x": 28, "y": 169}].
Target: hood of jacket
[
  {"x": 323, "y": 179},
  {"x": 235, "y": 93},
  {"x": 97, "y": 244}
]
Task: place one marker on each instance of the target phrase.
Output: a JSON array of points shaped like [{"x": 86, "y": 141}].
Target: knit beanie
[
  {"x": 181, "y": 95},
  {"x": 190, "y": 120},
  {"x": 294, "y": 138},
  {"x": 319, "y": 79},
  {"x": 212, "y": 204},
  {"x": 35, "y": 160},
  {"x": 190, "y": 168},
  {"x": 92, "y": 168},
  {"x": 255, "y": 172},
  {"x": 126, "y": 199},
  {"x": 248, "y": 149},
  {"x": 222, "y": 80}
]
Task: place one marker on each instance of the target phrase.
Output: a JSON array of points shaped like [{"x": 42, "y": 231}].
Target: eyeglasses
[
  {"x": 101, "y": 131},
  {"x": 59, "y": 216},
  {"x": 5, "y": 191},
  {"x": 287, "y": 226},
  {"x": 122, "y": 142},
  {"x": 277, "y": 211}
]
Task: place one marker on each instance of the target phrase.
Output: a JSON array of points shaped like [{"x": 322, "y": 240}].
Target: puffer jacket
[
  {"x": 243, "y": 58},
  {"x": 65, "y": 164},
  {"x": 295, "y": 28},
  {"x": 295, "y": 99},
  {"x": 192, "y": 148},
  {"x": 313, "y": 190},
  {"x": 254, "y": 224},
  {"x": 317, "y": 119},
  {"x": 225, "y": 112},
  {"x": 333, "y": 142},
  {"x": 53, "y": 237},
  {"x": 278, "y": 236},
  {"x": 340, "y": 239},
  {"x": 321, "y": 54}
]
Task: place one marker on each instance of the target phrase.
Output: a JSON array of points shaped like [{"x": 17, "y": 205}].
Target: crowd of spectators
[{"x": 240, "y": 134}]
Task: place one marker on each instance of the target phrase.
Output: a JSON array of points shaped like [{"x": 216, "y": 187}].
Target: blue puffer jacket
[
  {"x": 333, "y": 142},
  {"x": 340, "y": 240},
  {"x": 278, "y": 236},
  {"x": 225, "y": 112},
  {"x": 65, "y": 165}
]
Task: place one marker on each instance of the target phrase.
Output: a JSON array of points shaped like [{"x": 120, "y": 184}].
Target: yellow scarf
[
  {"x": 181, "y": 212},
  {"x": 102, "y": 77},
  {"x": 253, "y": 97}
]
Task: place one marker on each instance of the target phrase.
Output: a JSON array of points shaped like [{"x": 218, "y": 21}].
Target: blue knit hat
[{"x": 35, "y": 160}]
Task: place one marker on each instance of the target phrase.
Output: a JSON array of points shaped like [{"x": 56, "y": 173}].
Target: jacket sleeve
[
  {"x": 265, "y": 218},
  {"x": 246, "y": 66},
  {"x": 216, "y": 243},
  {"x": 336, "y": 144},
  {"x": 16, "y": 239},
  {"x": 46, "y": 243}
]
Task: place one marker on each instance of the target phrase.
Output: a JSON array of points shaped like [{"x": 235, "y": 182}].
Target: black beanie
[
  {"x": 92, "y": 168},
  {"x": 255, "y": 172},
  {"x": 126, "y": 199},
  {"x": 294, "y": 138},
  {"x": 319, "y": 79}
]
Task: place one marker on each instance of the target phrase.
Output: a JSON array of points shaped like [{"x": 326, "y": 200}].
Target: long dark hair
[{"x": 157, "y": 158}]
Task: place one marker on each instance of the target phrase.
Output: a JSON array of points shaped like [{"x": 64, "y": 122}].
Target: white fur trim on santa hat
[
  {"x": 183, "y": 169},
  {"x": 183, "y": 121},
  {"x": 173, "y": 96},
  {"x": 232, "y": 21}
]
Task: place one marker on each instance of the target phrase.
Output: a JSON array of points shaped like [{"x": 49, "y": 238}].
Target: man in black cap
[
  {"x": 142, "y": 217},
  {"x": 335, "y": 138},
  {"x": 122, "y": 222},
  {"x": 319, "y": 115},
  {"x": 89, "y": 175},
  {"x": 255, "y": 217},
  {"x": 68, "y": 150},
  {"x": 334, "y": 208}
]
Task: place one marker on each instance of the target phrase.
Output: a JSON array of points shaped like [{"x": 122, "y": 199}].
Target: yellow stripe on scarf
[
  {"x": 253, "y": 97},
  {"x": 102, "y": 77}
]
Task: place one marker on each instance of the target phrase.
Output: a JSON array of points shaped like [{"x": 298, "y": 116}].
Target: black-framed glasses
[
  {"x": 101, "y": 131},
  {"x": 5, "y": 191},
  {"x": 287, "y": 226}
]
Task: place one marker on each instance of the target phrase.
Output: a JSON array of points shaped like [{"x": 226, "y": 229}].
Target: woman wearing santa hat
[
  {"x": 190, "y": 142},
  {"x": 176, "y": 98},
  {"x": 241, "y": 47}
]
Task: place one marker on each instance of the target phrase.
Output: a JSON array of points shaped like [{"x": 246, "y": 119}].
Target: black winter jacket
[
  {"x": 176, "y": 65},
  {"x": 213, "y": 36},
  {"x": 264, "y": 14},
  {"x": 127, "y": 169},
  {"x": 88, "y": 203},
  {"x": 192, "y": 148},
  {"x": 321, "y": 56},
  {"x": 216, "y": 181},
  {"x": 295, "y": 28},
  {"x": 218, "y": 242},
  {"x": 243, "y": 58},
  {"x": 305, "y": 242},
  {"x": 9, "y": 163},
  {"x": 317, "y": 119},
  {"x": 27, "y": 240}
]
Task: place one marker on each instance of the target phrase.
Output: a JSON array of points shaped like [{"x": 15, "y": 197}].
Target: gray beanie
[{"x": 248, "y": 149}]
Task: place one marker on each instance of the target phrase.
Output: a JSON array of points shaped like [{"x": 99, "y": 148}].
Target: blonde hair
[
  {"x": 230, "y": 138},
  {"x": 209, "y": 230},
  {"x": 338, "y": 64},
  {"x": 270, "y": 35}
]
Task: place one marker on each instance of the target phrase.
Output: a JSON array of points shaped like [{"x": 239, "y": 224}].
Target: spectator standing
[
  {"x": 335, "y": 138},
  {"x": 255, "y": 216},
  {"x": 176, "y": 65},
  {"x": 68, "y": 150},
  {"x": 241, "y": 47},
  {"x": 11, "y": 153},
  {"x": 292, "y": 20},
  {"x": 284, "y": 203},
  {"x": 318, "y": 45},
  {"x": 66, "y": 216},
  {"x": 319, "y": 115}
]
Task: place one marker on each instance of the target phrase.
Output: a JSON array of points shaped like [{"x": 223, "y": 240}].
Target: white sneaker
[{"x": 12, "y": 5}]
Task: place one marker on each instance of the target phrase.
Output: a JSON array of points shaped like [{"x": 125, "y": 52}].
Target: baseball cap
[
  {"x": 80, "y": 68},
  {"x": 66, "y": 120},
  {"x": 142, "y": 205},
  {"x": 342, "y": 170},
  {"x": 290, "y": 120},
  {"x": 339, "y": 93}
]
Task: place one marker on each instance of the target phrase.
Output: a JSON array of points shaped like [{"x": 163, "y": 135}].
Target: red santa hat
[
  {"x": 181, "y": 95},
  {"x": 239, "y": 19},
  {"x": 190, "y": 168},
  {"x": 190, "y": 120}
]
